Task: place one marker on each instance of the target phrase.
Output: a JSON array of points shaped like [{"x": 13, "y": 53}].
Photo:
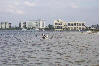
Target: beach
[{"x": 27, "y": 48}]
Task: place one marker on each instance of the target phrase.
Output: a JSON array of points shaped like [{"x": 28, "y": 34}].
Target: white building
[
  {"x": 21, "y": 25},
  {"x": 76, "y": 25},
  {"x": 5, "y": 25},
  {"x": 37, "y": 24},
  {"x": 62, "y": 25},
  {"x": 59, "y": 24}
]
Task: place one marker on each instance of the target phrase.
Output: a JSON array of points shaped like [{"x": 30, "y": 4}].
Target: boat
[
  {"x": 24, "y": 29},
  {"x": 89, "y": 32}
]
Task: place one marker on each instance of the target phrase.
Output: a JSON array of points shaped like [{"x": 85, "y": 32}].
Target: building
[
  {"x": 95, "y": 27},
  {"x": 76, "y": 25},
  {"x": 36, "y": 24},
  {"x": 5, "y": 25},
  {"x": 62, "y": 25},
  {"x": 22, "y": 24},
  {"x": 59, "y": 24}
]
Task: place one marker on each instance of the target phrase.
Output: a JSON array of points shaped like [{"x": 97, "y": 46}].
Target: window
[
  {"x": 79, "y": 28},
  {"x": 82, "y": 24},
  {"x": 68, "y": 24},
  {"x": 60, "y": 23},
  {"x": 59, "y": 27},
  {"x": 55, "y": 23},
  {"x": 74, "y": 28},
  {"x": 79, "y": 24},
  {"x": 74, "y": 24}
]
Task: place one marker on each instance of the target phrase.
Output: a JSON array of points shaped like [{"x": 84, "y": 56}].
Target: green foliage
[{"x": 49, "y": 27}]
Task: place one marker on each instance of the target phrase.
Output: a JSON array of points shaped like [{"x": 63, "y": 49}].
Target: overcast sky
[{"x": 15, "y": 11}]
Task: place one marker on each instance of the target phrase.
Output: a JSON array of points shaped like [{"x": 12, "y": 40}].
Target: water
[{"x": 27, "y": 48}]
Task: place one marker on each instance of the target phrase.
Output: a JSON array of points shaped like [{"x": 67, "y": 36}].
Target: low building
[
  {"x": 36, "y": 24},
  {"x": 59, "y": 24},
  {"x": 62, "y": 25},
  {"x": 95, "y": 27},
  {"x": 76, "y": 25},
  {"x": 5, "y": 25}
]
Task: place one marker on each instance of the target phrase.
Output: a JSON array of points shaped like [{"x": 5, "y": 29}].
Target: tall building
[
  {"x": 36, "y": 24},
  {"x": 5, "y": 25},
  {"x": 76, "y": 25},
  {"x": 31, "y": 24},
  {"x": 59, "y": 24}
]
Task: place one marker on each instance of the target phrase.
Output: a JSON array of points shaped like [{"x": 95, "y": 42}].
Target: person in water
[{"x": 44, "y": 36}]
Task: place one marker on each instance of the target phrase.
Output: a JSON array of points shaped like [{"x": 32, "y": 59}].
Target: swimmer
[{"x": 44, "y": 36}]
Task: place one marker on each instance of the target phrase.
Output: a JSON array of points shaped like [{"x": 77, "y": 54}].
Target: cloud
[
  {"x": 15, "y": 10},
  {"x": 31, "y": 4},
  {"x": 84, "y": 8}
]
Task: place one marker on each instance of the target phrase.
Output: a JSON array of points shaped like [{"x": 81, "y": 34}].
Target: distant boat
[
  {"x": 37, "y": 29},
  {"x": 89, "y": 32},
  {"x": 24, "y": 29}
]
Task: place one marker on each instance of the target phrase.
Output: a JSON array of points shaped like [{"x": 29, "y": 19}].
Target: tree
[{"x": 49, "y": 27}]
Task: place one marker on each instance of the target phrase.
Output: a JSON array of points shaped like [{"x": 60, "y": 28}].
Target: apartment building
[
  {"x": 5, "y": 25},
  {"x": 36, "y": 24},
  {"x": 62, "y": 25},
  {"x": 76, "y": 25},
  {"x": 59, "y": 24}
]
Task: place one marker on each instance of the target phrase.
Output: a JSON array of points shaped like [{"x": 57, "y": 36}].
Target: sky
[{"x": 15, "y": 11}]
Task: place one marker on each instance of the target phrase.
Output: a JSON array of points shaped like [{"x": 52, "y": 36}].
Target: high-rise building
[
  {"x": 5, "y": 25},
  {"x": 36, "y": 24}
]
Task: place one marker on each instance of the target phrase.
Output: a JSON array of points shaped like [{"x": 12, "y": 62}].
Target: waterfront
[{"x": 27, "y": 48}]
